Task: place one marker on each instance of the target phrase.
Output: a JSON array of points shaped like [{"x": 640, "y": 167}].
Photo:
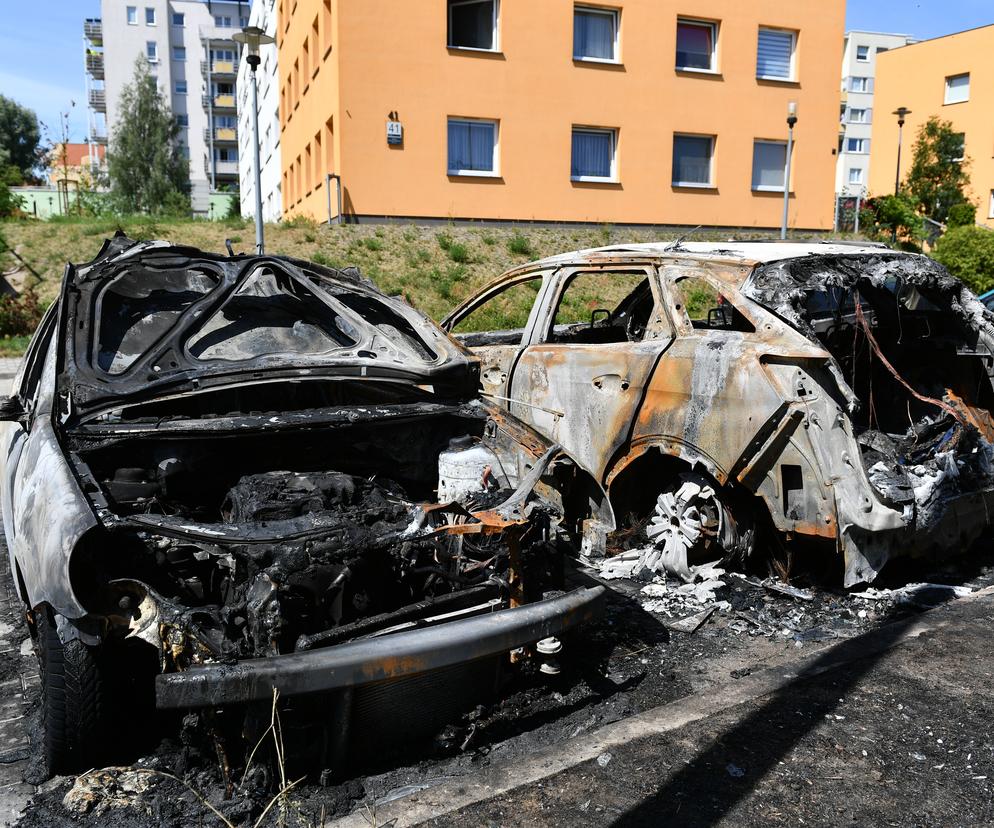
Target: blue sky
[{"x": 41, "y": 62}]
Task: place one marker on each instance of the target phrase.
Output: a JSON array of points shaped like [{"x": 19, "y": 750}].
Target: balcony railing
[
  {"x": 220, "y": 101},
  {"x": 223, "y": 134},
  {"x": 220, "y": 67},
  {"x": 221, "y": 167},
  {"x": 95, "y": 66},
  {"x": 98, "y": 100},
  {"x": 98, "y": 137},
  {"x": 93, "y": 30}
]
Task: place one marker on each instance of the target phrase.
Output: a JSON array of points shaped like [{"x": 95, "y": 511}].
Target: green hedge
[{"x": 968, "y": 253}]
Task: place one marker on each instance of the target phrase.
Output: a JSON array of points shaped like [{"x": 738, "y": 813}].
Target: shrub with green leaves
[
  {"x": 968, "y": 253},
  {"x": 459, "y": 252},
  {"x": 444, "y": 240},
  {"x": 519, "y": 245},
  {"x": 962, "y": 215}
]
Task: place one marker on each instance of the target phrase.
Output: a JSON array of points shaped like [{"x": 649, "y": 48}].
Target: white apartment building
[
  {"x": 263, "y": 15},
  {"x": 859, "y": 64},
  {"x": 189, "y": 48}
]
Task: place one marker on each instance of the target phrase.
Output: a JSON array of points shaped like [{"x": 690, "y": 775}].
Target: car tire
[{"x": 72, "y": 698}]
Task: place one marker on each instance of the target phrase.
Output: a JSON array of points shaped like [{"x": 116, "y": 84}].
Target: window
[
  {"x": 959, "y": 149},
  {"x": 769, "y": 162},
  {"x": 704, "y": 308},
  {"x": 242, "y": 22},
  {"x": 472, "y": 147},
  {"x": 990, "y": 212},
  {"x": 857, "y": 144},
  {"x": 503, "y": 313},
  {"x": 223, "y": 55},
  {"x": 859, "y": 116},
  {"x": 593, "y": 155},
  {"x": 859, "y": 84},
  {"x": 957, "y": 89},
  {"x": 179, "y": 53},
  {"x": 179, "y": 19},
  {"x": 183, "y": 120},
  {"x": 600, "y": 308},
  {"x": 151, "y": 51},
  {"x": 863, "y": 54},
  {"x": 695, "y": 45},
  {"x": 775, "y": 54},
  {"x": 595, "y": 34},
  {"x": 855, "y": 175},
  {"x": 149, "y": 16},
  {"x": 181, "y": 87},
  {"x": 223, "y": 21},
  {"x": 692, "y": 156},
  {"x": 226, "y": 153},
  {"x": 132, "y": 15},
  {"x": 184, "y": 151},
  {"x": 473, "y": 24}
]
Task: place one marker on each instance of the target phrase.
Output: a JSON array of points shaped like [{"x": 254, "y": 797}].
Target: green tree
[
  {"x": 20, "y": 139},
  {"x": 147, "y": 172},
  {"x": 968, "y": 253},
  {"x": 938, "y": 174},
  {"x": 881, "y": 217}
]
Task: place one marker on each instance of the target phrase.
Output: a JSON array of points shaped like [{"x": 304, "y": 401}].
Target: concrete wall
[
  {"x": 356, "y": 70},
  {"x": 852, "y": 67},
  {"x": 914, "y": 76},
  {"x": 264, "y": 16}
]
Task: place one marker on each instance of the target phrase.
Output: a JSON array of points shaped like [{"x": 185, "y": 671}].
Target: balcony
[
  {"x": 220, "y": 67},
  {"x": 98, "y": 137},
  {"x": 226, "y": 135},
  {"x": 95, "y": 65},
  {"x": 220, "y": 101},
  {"x": 221, "y": 168},
  {"x": 98, "y": 100},
  {"x": 93, "y": 30}
]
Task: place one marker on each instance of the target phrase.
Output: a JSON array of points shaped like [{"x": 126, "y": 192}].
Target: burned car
[
  {"x": 835, "y": 394},
  {"x": 232, "y": 476}
]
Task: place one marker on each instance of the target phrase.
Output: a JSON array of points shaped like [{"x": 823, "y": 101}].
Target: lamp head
[{"x": 791, "y": 113}]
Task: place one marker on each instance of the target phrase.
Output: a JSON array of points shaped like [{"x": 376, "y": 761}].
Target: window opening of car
[
  {"x": 392, "y": 326},
  {"x": 707, "y": 308},
  {"x": 271, "y": 313},
  {"x": 140, "y": 306},
  {"x": 503, "y": 316},
  {"x": 600, "y": 307}
]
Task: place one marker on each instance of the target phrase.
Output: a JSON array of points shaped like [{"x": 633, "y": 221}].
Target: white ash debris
[{"x": 918, "y": 594}]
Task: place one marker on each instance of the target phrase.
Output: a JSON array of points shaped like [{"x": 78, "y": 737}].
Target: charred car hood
[{"x": 147, "y": 319}]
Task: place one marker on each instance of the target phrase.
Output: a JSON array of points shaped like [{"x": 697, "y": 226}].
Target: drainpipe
[{"x": 338, "y": 188}]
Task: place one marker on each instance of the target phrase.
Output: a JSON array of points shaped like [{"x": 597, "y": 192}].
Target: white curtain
[
  {"x": 591, "y": 154},
  {"x": 593, "y": 35},
  {"x": 691, "y": 160},
  {"x": 471, "y": 146}
]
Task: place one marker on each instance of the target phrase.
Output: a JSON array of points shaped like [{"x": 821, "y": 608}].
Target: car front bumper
[{"x": 377, "y": 659}]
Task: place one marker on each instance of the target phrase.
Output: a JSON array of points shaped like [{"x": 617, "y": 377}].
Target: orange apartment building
[
  {"x": 951, "y": 78},
  {"x": 633, "y": 112}
]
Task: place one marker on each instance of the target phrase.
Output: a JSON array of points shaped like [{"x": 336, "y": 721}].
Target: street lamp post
[
  {"x": 791, "y": 120},
  {"x": 902, "y": 112},
  {"x": 253, "y": 37}
]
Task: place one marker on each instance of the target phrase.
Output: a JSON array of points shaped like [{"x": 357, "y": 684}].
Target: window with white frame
[
  {"x": 151, "y": 51},
  {"x": 472, "y": 147},
  {"x": 473, "y": 24},
  {"x": 769, "y": 162},
  {"x": 595, "y": 34},
  {"x": 696, "y": 45},
  {"x": 149, "y": 16},
  {"x": 693, "y": 160},
  {"x": 860, "y": 84},
  {"x": 181, "y": 87},
  {"x": 859, "y": 116},
  {"x": 856, "y": 175},
  {"x": 132, "y": 15},
  {"x": 957, "y": 89},
  {"x": 243, "y": 21},
  {"x": 179, "y": 19},
  {"x": 861, "y": 145},
  {"x": 775, "y": 54},
  {"x": 179, "y": 53},
  {"x": 183, "y": 120},
  {"x": 593, "y": 154},
  {"x": 863, "y": 54},
  {"x": 222, "y": 21}
]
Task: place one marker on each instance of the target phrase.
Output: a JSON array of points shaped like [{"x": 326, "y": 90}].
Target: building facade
[
  {"x": 859, "y": 67},
  {"x": 263, "y": 15},
  {"x": 642, "y": 111},
  {"x": 189, "y": 49},
  {"x": 951, "y": 78}
]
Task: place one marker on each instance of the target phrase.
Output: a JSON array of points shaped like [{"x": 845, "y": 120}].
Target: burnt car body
[
  {"x": 843, "y": 391},
  {"x": 231, "y": 462}
]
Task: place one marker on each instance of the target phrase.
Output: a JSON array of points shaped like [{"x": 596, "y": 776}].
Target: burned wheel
[
  {"x": 72, "y": 697},
  {"x": 693, "y": 522}
]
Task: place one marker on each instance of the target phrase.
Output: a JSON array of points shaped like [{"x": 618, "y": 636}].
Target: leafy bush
[
  {"x": 882, "y": 216},
  {"x": 968, "y": 253},
  {"x": 373, "y": 243},
  {"x": 444, "y": 240},
  {"x": 519, "y": 245},
  {"x": 20, "y": 315},
  {"x": 323, "y": 259},
  {"x": 9, "y": 203},
  {"x": 962, "y": 215},
  {"x": 459, "y": 253}
]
